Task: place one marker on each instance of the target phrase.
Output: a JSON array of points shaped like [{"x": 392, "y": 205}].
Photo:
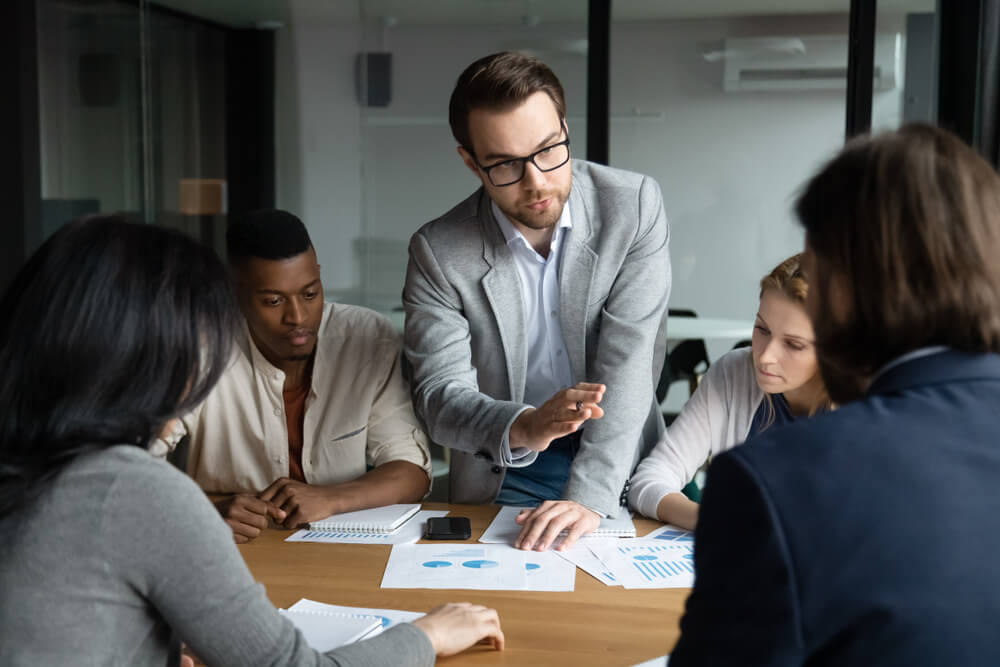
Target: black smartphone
[{"x": 448, "y": 528}]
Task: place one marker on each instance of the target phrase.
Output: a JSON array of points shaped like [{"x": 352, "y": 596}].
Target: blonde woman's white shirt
[
  {"x": 357, "y": 414},
  {"x": 717, "y": 417}
]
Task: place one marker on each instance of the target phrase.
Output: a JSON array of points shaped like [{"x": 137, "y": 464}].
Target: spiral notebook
[
  {"x": 376, "y": 520},
  {"x": 326, "y": 630}
]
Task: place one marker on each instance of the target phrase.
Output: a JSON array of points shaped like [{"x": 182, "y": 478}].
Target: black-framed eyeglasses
[{"x": 509, "y": 172}]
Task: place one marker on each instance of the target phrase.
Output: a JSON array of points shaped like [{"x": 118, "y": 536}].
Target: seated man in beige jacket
[{"x": 313, "y": 416}]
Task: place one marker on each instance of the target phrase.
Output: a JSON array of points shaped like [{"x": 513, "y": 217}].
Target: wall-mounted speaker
[
  {"x": 99, "y": 79},
  {"x": 373, "y": 78}
]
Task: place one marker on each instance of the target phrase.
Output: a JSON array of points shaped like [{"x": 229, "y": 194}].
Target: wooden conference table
[{"x": 593, "y": 625}]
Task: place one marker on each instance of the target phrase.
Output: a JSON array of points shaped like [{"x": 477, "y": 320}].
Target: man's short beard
[
  {"x": 299, "y": 357},
  {"x": 532, "y": 223}
]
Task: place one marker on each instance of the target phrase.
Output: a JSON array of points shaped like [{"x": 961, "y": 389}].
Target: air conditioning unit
[{"x": 802, "y": 63}]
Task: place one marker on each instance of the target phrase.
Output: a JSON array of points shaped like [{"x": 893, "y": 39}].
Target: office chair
[{"x": 687, "y": 360}]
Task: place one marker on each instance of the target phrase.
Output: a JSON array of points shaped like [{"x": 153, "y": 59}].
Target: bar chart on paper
[
  {"x": 657, "y": 565},
  {"x": 670, "y": 533},
  {"x": 653, "y": 566}
]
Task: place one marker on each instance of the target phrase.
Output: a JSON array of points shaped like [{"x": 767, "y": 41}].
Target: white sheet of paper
[
  {"x": 662, "y": 661},
  {"x": 390, "y": 617},
  {"x": 408, "y": 533},
  {"x": 659, "y": 564},
  {"x": 548, "y": 572},
  {"x": 455, "y": 566},
  {"x": 504, "y": 530},
  {"x": 669, "y": 533},
  {"x": 582, "y": 556},
  {"x": 325, "y": 631}
]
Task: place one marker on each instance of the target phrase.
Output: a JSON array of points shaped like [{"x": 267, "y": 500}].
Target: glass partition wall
[
  {"x": 365, "y": 153},
  {"x": 132, "y": 115},
  {"x": 731, "y": 107}
]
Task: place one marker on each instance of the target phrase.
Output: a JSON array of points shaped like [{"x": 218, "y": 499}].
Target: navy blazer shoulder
[{"x": 868, "y": 535}]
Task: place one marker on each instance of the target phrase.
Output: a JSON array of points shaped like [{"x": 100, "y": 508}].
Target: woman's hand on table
[{"x": 456, "y": 626}]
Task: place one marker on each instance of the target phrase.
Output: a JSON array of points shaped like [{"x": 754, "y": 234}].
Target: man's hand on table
[
  {"x": 247, "y": 515},
  {"x": 541, "y": 526},
  {"x": 301, "y": 502}
]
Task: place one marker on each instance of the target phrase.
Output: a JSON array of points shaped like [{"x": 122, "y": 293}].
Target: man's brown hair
[
  {"x": 905, "y": 230},
  {"x": 500, "y": 82}
]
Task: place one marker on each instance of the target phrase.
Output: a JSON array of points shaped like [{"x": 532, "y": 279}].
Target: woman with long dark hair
[{"x": 110, "y": 331}]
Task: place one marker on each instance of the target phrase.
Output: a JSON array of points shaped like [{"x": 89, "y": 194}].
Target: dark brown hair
[
  {"x": 500, "y": 82},
  {"x": 905, "y": 230}
]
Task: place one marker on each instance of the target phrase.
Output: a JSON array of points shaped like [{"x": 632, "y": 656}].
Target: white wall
[
  {"x": 729, "y": 163},
  {"x": 318, "y": 137}
]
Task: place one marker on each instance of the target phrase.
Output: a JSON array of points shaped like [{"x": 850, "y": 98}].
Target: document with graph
[
  {"x": 476, "y": 567},
  {"x": 652, "y": 564}
]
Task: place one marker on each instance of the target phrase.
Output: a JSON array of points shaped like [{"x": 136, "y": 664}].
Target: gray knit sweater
[{"x": 124, "y": 556}]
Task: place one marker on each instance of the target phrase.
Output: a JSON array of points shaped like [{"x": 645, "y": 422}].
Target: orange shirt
[{"x": 295, "y": 412}]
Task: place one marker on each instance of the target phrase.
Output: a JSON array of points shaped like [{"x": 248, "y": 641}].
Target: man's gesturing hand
[{"x": 561, "y": 415}]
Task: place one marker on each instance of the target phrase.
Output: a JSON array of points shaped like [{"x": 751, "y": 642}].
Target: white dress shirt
[
  {"x": 548, "y": 362},
  {"x": 548, "y": 369}
]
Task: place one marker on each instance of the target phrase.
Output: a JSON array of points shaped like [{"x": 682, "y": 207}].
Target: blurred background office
[{"x": 182, "y": 111}]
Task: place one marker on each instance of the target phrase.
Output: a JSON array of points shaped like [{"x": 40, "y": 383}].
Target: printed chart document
[
  {"x": 504, "y": 530},
  {"x": 408, "y": 533},
  {"x": 387, "y": 617},
  {"x": 326, "y": 630},
  {"x": 670, "y": 533},
  {"x": 656, "y": 564},
  {"x": 475, "y": 567}
]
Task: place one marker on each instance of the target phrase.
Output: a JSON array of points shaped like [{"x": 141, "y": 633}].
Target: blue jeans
[{"x": 544, "y": 479}]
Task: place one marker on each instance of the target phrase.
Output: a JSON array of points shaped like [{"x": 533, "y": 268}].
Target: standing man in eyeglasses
[{"x": 536, "y": 311}]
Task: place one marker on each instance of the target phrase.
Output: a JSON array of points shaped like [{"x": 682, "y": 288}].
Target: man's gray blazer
[{"x": 465, "y": 332}]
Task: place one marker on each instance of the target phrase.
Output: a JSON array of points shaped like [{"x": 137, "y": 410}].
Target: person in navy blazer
[{"x": 871, "y": 535}]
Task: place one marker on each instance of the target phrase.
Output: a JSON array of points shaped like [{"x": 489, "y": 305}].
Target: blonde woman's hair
[{"x": 788, "y": 280}]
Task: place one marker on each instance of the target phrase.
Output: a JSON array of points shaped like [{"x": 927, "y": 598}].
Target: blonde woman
[{"x": 748, "y": 390}]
